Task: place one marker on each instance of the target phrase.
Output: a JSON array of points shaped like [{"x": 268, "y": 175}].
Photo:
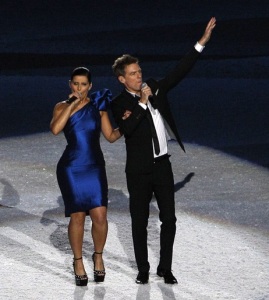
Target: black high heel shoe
[
  {"x": 99, "y": 275},
  {"x": 81, "y": 280}
]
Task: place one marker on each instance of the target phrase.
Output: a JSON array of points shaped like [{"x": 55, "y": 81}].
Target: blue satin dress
[{"x": 81, "y": 170}]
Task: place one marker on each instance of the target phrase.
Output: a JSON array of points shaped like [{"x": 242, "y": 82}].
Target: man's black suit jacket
[{"x": 136, "y": 127}]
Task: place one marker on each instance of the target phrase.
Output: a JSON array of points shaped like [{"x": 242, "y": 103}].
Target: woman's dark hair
[
  {"x": 82, "y": 71},
  {"x": 121, "y": 62}
]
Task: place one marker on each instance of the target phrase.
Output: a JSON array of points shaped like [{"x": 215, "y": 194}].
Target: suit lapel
[{"x": 130, "y": 101}]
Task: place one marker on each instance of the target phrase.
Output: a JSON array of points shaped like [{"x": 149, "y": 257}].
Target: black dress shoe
[
  {"x": 142, "y": 277},
  {"x": 167, "y": 275}
]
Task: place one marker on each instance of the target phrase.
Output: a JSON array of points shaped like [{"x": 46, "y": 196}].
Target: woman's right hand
[
  {"x": 75, "y": 98},
  {"x": 126, "y": 114}
]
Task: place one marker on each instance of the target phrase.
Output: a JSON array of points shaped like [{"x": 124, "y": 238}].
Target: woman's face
[{"x": 81, "y": 85}]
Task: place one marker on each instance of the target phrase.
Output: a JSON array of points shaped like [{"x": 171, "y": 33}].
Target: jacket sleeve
[
  {"x": 180, "y": 71},
  {"x": 128, "y": 125}
]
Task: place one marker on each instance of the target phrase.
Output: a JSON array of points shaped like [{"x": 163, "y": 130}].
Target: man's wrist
[
  {"x": 143, "y": 105},
  {"x": 199, "y": 47}
]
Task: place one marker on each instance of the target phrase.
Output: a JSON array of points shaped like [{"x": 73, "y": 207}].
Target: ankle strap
[
  {"x": 77, "y": 258},
  {"x": 98, "y": 252}
]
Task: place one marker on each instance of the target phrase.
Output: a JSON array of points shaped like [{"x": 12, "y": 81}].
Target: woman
[{"x": 81, "y": 171}]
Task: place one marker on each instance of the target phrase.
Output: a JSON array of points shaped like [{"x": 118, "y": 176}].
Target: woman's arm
[
  {"x": 108, "y": 131},
  {"x": 61, "y": 114}
]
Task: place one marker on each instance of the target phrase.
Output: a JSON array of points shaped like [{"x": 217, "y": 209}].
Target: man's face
[{"x": 132, "y": 79}]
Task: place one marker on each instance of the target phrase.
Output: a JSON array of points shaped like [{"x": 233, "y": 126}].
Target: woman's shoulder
[{"x": 60, "y": 105}]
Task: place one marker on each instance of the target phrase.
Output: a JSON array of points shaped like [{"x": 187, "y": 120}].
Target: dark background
[{"x": 223, "y": 103}]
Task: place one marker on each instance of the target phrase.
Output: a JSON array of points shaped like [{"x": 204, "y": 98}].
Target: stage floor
[{"x": 221, "y": 245}]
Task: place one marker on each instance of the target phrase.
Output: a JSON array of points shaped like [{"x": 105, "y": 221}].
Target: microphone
[
  {"x": 143, "y": 85},
  {"x": 71, "y": 99},
  {"x": 150, "y": 97}
]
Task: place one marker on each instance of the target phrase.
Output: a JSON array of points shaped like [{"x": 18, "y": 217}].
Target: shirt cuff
[
  {"x": 143, "y": 105},
  {"x": 199, "y": 47}
]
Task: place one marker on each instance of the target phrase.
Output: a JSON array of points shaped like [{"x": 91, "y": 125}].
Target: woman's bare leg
[
  {"x": 99, "y": 233},
  {"x": 76, "y": 234}
]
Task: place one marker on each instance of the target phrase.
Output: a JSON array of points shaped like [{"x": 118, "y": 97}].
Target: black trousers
[{"x": 141, "y": 188}]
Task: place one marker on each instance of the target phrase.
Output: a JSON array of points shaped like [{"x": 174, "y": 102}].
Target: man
[{"x": 144, "y": 117}]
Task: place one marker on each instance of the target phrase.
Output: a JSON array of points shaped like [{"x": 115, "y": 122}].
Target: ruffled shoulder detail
[{"x": 101, "y": 99}]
